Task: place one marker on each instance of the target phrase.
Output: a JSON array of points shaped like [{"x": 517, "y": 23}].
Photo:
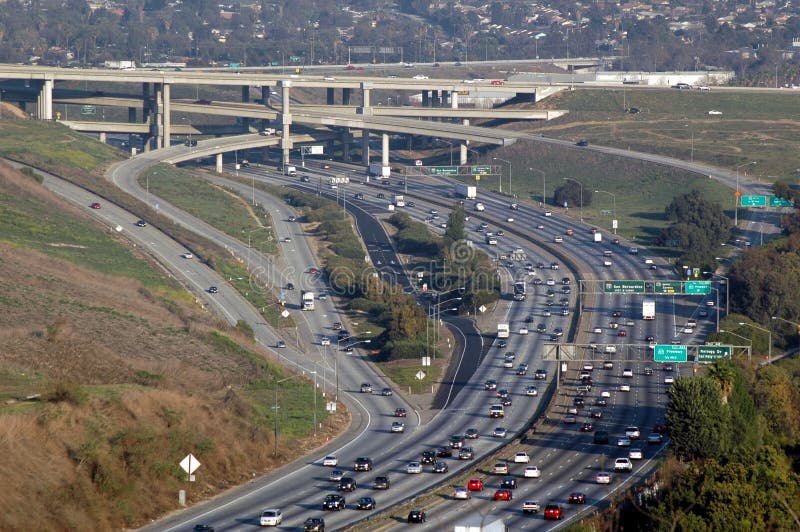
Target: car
[
  {"x": 496, "y": 411},
  {"x": 540, "y": 374},
  {"x": 608, "y": 365},
  {"x": 522, "y": 369},
  {"x": 503, "y": 495},
  {"x": 600, "y": 401},
  {"x": 553, "y": 512},
  {"x": 500, "y": 468},
  {"x": 569, "y": 419},
  {"x": 703, "y": 313},
  {"x": 314, "y": 524},
  {"x": 624, "y": 387},
  {"x": 579, "y": 401},
  {"x": 400, "y": 412},
  {"x": 502, "y": 344},
  {"x": 141, "y": 223},
  {"x": 523, "y": 330},
  {"x": 420, "y": 76},
  {"x": 381, "y": 483},
  {"x": 669, "y": 379},
  {"x": 546, "y": 313},
  {"x": 386, "y": 392},
  {"x": 605, "y": 394},
  {"x": 600, "y": 437},
  {"x": 624, "y": 441},
  {"x": 508, "y": 363},
  {"x": 531, "y": 507},
  {"x": 558, "y": 240},
  {"x": 586, "y": 427},
  {"x": 313, "y": 271},
  {"x": 610, "y": 349},
  {"x": 622, "y": 333},
  {"x": 602, "y": 477},
  {"x": 333, "y": 501},
  {"x": 287, "y": 239},
  {"x": 365, "y": 503},
  {"x": 271, "y": 517},
  {"x": 508, "y": 483},
  {"x": 362, "y": 463},
  {"x": 366, "y": 388},
  {"x": 596, "y": 414},
  {"x": 521, "y": 458},
  {"x": 475, "y": 484},
  {"x": 531, "y": 391},
  {"x": 573, "y": 410},
  {"x": 440, "y": 467},
  {"x": 213, "y": 289},
  {"x": 187, "y": 255},
  {"x": 490, "y": 384},
  {"x": 532, "y": 472},
  {"x": 632, "y": 432},
  {"x": 499, "y": 432},
  {"x": 416, "y": 516},
  {"x": 582, "y": 142},
  {"x": 456, "y": 441},
  {"x": 466, "y": 453},
  {"x": 461, "y": 493},
  {"x": 325, "y": 341},
  {"x": 635, "y": 454},
  {"x": 576, "y": 497},
  {"x": 623, "y": 464},
  {"x": 414, "y": 468},
  {"x": 655, "y": 437},
  {"x": 290, "y": 286},
  {"x": 330, "y": 461},
  {"x": 281, "y": 344},
  {"x": 444, "y": 452},
  {"x": 347, "y": 484},
  {"x": 190, "y": 143}
]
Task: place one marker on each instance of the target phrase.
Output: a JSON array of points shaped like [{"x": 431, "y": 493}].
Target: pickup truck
[{"x": 531, "y": 507}]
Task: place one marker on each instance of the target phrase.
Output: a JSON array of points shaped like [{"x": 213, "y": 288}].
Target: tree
[
  {"x": 570, "y": 192},
  {"x": 696, "y": 418},
  {"x": 455, "y": 226}
]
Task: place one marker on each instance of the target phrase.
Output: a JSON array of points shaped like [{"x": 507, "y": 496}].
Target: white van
[{"x": 607, "y": 263}]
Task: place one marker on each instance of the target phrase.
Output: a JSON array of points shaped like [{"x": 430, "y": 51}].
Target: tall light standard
[
  {"x": 738, "y": 194},
  {"x": 282, "y": 61},
  {"x": 769, "y": 348},
  {"x": 716, "y": 291},
  {"x": 727, "y": 290},
  {"x": 613, "y": 207},
  {"x": 544, "y": 184},
  {"x": 795, "y": 325},
  {"x": 336, "y": 360},
  {"x": 501, "y": 174},
  {"x": 581, "y": 185},
  {"x": 437, "y": 313},
  {"x": 748, "y": 340}
]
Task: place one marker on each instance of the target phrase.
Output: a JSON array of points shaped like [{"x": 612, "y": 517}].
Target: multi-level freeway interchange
[{"x": 568, "y": 458}]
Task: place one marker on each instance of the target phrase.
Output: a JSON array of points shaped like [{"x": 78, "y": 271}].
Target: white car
[
  {"x": 635, "y": 454},
  {"x": 603, "y": 478},
  {"x": 187, "y": 255},
  {"x": 398, "y": 426},
  {"x": 521, "y": 458},
  {"x": 532, "y": 472},
  {"x": 330, "y": 461},
  {"x": 271, "y": 517},
  {"x": 605, "y": 393},
  {"x": 588, "y": 366},
  {"x": 624, "y": 442},
  {"x": 531, "y": 391},
  {"x": 328, "y": 78},
  {"x": 610, "y": 349},
  {"x": 523, "y": 330},
  {"x": 627, "y": 372},
  {"x": 713, "y": 112},
  {"x": 669, "y": 379},
  {"x": 623, "y": 464},
  {"x": 550, "y": 281},
  {"x": 597, "y": 330},
  {"x": 688, "y": 330},
  {"x": 633, "y": 433},
  {"x": 624, "y": 387},
  {"x": 655, "y": 437},
  {"x": 420, "y": 76},
  {"x": 414, "y": 468},
  {"x": 509, "y": 220},
  {"x": 461, "y": 493},
  {"x": 508, "y": 363},
  {"x": 325, "y": 341}
]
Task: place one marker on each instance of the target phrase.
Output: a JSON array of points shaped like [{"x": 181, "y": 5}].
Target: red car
[
  {"x": 313, "y": 271},
  {"x": 660, "y": 429},
  {"x": 96, "y": 206},
  {"x": 498, "y": 82},
  {"x": 576, "y": 498},
  {"x": 399, "y": 412},
  {"x": 350, "y": 67},
  {"x": 570, "y": 232},
  {"x": 503, "y": 495},
  {"x": 475, "y": 484},
  {"x": 622, "y": 333},
  {"x": 553, "y": 511}
]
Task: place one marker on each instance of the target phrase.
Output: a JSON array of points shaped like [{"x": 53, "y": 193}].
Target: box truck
[
  {"x": 648, "y": 309},
  {"x": 466, "y": 191},
  {"x": 502, "y": 330},
  {"x": 308, "y": 300},
  {"x": 379, "y": 170},
  {"x": 291, "y": 171},
  {"x": 520, "y": 291},
  {"x": 480, "y": 523},
  {"x": 598, "y": 237},
  {"x": 399, "y": 201}
]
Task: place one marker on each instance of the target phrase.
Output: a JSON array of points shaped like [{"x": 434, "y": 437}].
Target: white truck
[
  {"x": 598, "y": 236},
  {"x": 399, "y": 201},
  {"x": 308, "y": 300},
  {"x": 648, "y": 309},
  {"x": 480, "y": 523},
  {"x": 502, "y": 330},
  {"x": 291, "y": 171},
  {"x": 520, "y": 291},
  {"x": 466, "y": 191},
  {"x": 379, "y": 170},
  {"x": 120, "y": 65}
]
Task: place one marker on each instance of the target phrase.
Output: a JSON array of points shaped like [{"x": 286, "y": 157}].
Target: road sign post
[
  {"x": 623, "y": 287},
  {"x": 670, "y": 353}
]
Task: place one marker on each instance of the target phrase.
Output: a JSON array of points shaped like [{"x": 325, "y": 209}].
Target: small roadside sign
[
  {"x": 420, "y": 375},
  {"x": 482, "y": 308},
  {"x": 285, "y": 313},
  {"x": 190, "y": 464}
]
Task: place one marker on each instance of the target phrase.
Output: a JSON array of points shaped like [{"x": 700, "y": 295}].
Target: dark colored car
[
  {"x": 416, "y": 516},
  {"x": 456, "y": 441},
  {"x": 381, "y": 483},
  {"x": 96, "y": 206},
  {"x": 586, "y": 427},
  {"x": 576, "y": 497},
  {"x": 601, "y": 437},
  {"x": 203, "y": 528},
  {"x": 491, "y": 384},
  {"x": 466, "y": 453},
  {"x": 365, "y": 503},
  {"x": 347, "y": 484},
  {"x": 503, "y": 495},
  {"x": 472, "y": 434},
  {"x": 579, "y": 401},
  {"x": 213, "y": 289},
  {"x": 400, "y": 412},
  {"x": 508, "y": 483},
  {"x": 428, "y": 457},
  {"x": 362, "y": 463},
  {"x": 333, "y": 501},
  {"x": 141, "y": 223},
  {"x": 440, "y": 467},
  {"x": 444, "y": 452},
  {"x": 314, "y": 524},
  {"x": 582, "y": 142},
  {"x": 289, "y": 286},
  {"x": 553, "y": 511},
  {"x": 190, "y": 143}
]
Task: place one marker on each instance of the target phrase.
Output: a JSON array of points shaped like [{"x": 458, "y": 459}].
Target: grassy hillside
[{"x": 110, "y": 375}]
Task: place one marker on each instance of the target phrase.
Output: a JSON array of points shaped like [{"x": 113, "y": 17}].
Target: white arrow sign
[
  {"x": 190, "y": 464},
  {"x": 420, "y": 375}
]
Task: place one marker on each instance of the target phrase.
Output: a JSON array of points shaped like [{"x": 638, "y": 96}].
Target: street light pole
[
  {"x": 501, "y": 174},
  {"x": 738, "y": 194},
  {"x": 613, "y": 207},
  {"x": 717, "y": 292},
  {"x": 727, "y": 290},
  {"x": 581, "y": 185},
  {"x": 748, "y": 340},
  {"x": 769, "y": 347},
  {"x": 544, "y": 185}
]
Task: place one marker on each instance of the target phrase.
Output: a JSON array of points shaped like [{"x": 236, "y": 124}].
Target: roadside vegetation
[{"x": 110, "y": 374}]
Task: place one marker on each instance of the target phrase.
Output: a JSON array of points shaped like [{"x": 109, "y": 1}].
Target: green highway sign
[
  {"x": 776, "y": 201},
  {"x": 480, "y": 170},
  {"x": 623, "y": 287},
  {"x": 667, "y": 287},
  {"x": 697, "y": 287},
  {"x": 444, "y": 170},
  {"x": 753, "y": 201},
  {"x": 670, "y": 353},
  {"x": 709, "y": 353},
  {"x": 88, "y": 109}
]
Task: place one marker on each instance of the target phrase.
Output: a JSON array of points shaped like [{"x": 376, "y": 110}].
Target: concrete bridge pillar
[
  {"x": 330, "y": 94},
  {"x": 246, "y": 99},
  {"x": 146, "y": 103},
  {"x": 385, "y": 149},
  {"x": 166, "y": 114},
  {"x": 103, "y": 137},
  {"x": 426, "y": 101},
  {"x": 286, "y": 121},
  {"x": 463, "y": 154},
  {"x": 365, "y": 92},
  {"x": 47, "y": 99},
  {"x": 346, "y": 96},
  {"x": 365, "y": 147},
  {"x": 219, "y": 163},
  {"x": 156, "y": 126},
  {"x": 265, "y": 94},
  {"x": 454, "y": 100}
]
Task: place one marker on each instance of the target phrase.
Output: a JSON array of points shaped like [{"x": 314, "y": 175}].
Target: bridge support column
[
  {"x": 330, "y": 95},
  {"x": 166, "y": 114},
  {"x": 286, "y": 121},
  {"x": 454, "y": 100},
  {"x": 103, "y": 137},
  {"x": 265, "y": 94},
  {"x": 426, "y": 100},
  {"x": 365, "y": 97},
  {"x": 246, "y": 99},
  {"x": 219, "y": 163},
  {"x": 156, "y": 125},
  {"x": 463, "y": 154},
  {"x": 385, "y": 149},
  {"x": 146, "y": 103},
  {"x": 445, "y": 96},
  {"x": 365, "y": 147},
  {"x": 47, "y": 100},
  {"x": 345, "y": 96}
]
